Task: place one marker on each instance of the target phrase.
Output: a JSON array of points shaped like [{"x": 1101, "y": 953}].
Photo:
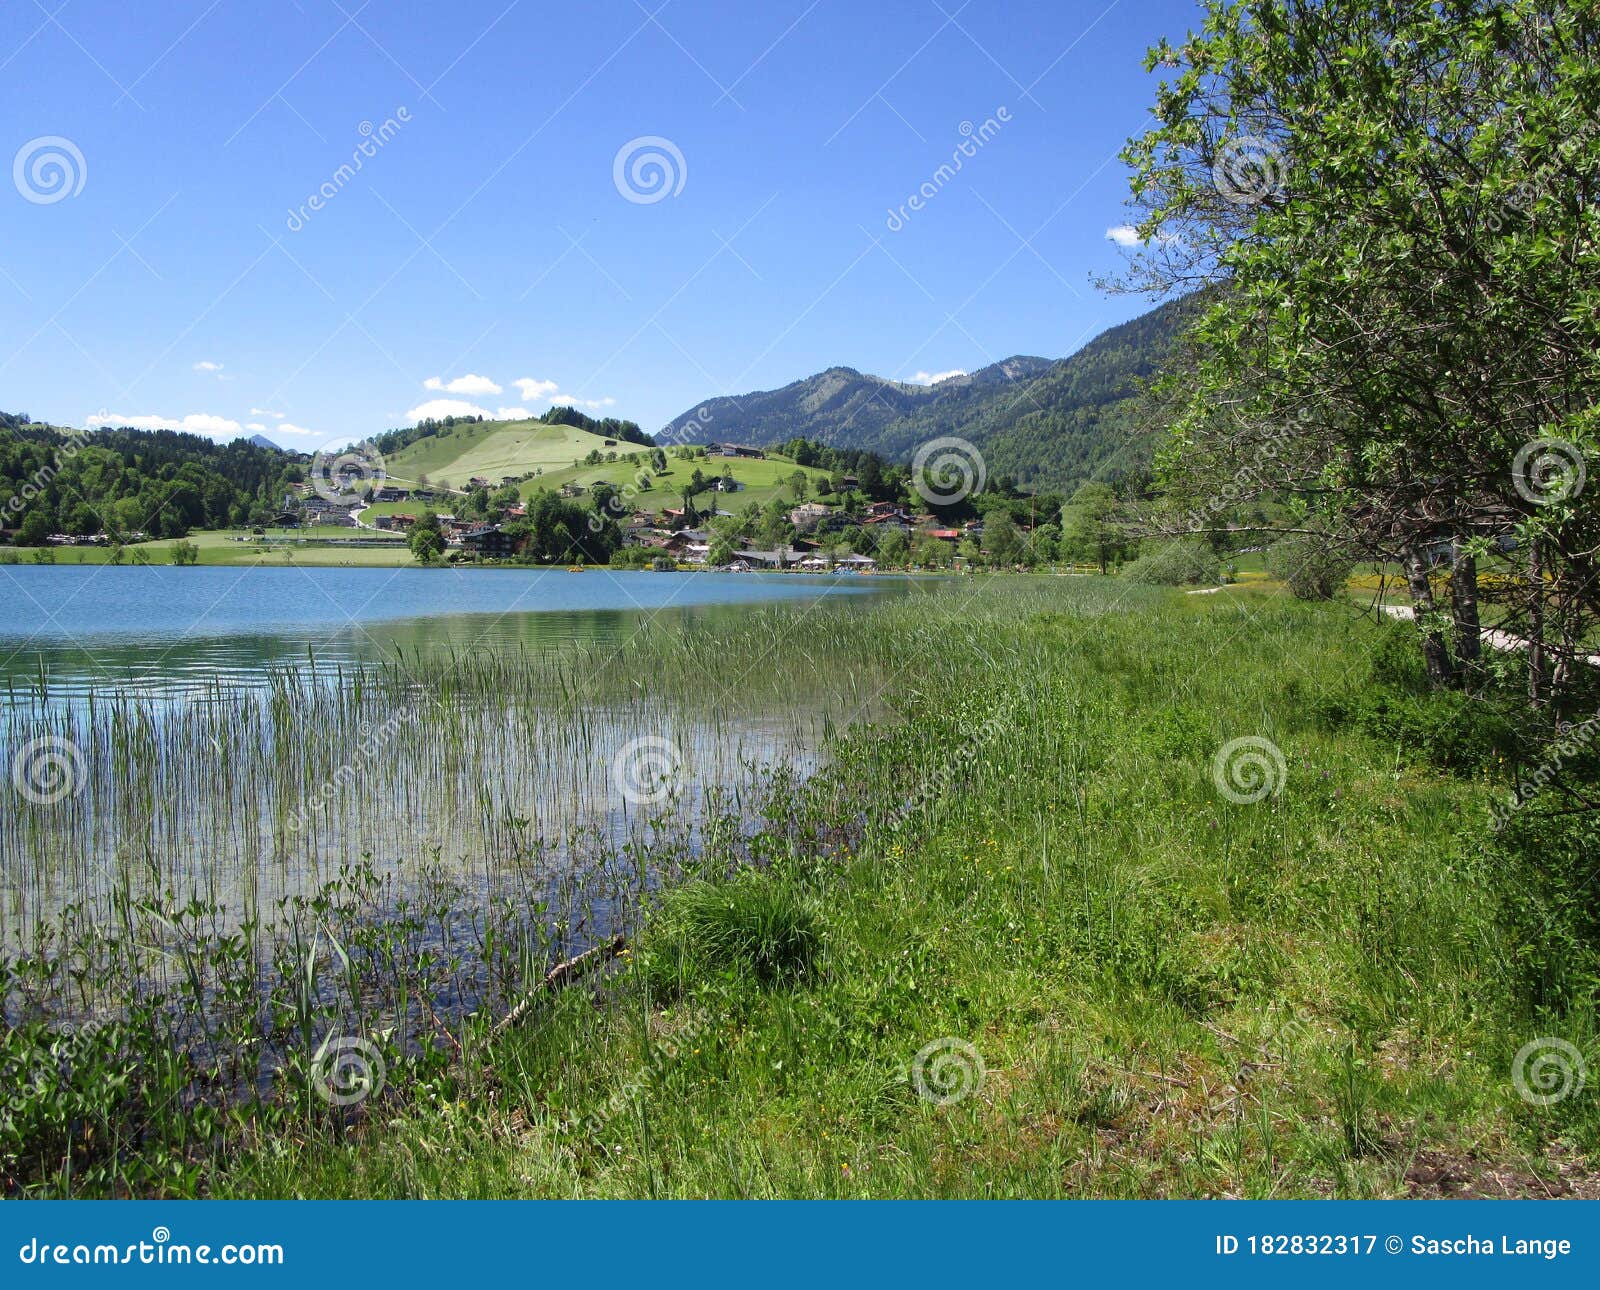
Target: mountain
[
  {"x": 1039, "y": 421},
  {"x": 261, "y": 441}
]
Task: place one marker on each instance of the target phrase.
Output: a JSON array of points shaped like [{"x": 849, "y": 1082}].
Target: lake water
[
  {"x": 161, "y": 630},
  {"x": 238, "y": 736}
]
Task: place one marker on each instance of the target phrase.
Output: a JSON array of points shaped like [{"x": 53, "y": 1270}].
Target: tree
[
  {"x": 185, "y": 553},
  {"x": 34, "y": 530},
  {"x": 1310, "y": 565},
  {"x": 1395, "y": 200},
  {"x": 1001, "y": 540},
  {"x": 426, "y": 541},
  {"x": 1089, "y": 530}
]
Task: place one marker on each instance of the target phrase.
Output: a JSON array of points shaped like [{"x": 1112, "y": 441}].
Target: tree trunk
[
  {"x": 1435, "y": 652},
  {"x": 1538, "y": 666},
  {"x": 1464, "y": 607}
]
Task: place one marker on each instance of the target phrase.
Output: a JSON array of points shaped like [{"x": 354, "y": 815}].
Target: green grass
[
  {"x": 1024, "y": 862},
  {"x": 497, "y": 449},
  {"x": 1173, "y": 994},
  {"x": 764, "y": 479},
  {"x": 241, "y": 548}
]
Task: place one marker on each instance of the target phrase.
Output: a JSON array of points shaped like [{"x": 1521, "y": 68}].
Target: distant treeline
[{"x": 159, "y": 482}]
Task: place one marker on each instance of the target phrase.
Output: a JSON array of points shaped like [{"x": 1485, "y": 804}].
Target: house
[
  {"x": 477, "y": 481},
  {"x": 860, "y": 563},
  {"x": 506, "y": 480},
  {"x": 489, "y": 540},
  {"x": 806, "y": 515},
  {"x": 849, "y": 481},
  {"x": 944, "y": 535},
  {"x": 390, "y": 493},
  {"x": 778, "y": 559},
  {"x": 384, "y": 522},
  {"x": 726, "y": 484},
  {"x": 734, "y": 450}
]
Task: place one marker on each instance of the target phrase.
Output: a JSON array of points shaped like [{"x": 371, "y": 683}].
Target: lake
[
  {"x": 239, "y": 737},
  {"x": 160, "y": 630}
]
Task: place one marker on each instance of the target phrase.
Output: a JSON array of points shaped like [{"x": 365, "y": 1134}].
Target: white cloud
[
  {"x": 1124, "y": 235},
  {"x": 512, "y": 414},
  {"x": 468, "y": 384},
  {"x": 262, "y": 412},
  {"x": 194, "y": 423},
  {"x": 933, "y": 378},
  {"x": 532, "y": 390},
  {"x": 572, "y": 400},
  {"x": 437, "y": 408},
  {"x": 289, "y": 427},
  {"x": 206, "y": 365},
  {"x": 255, "y": 425}
]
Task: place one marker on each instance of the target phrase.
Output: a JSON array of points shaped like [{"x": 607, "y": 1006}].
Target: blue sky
[{"x": 162, "y": 260}]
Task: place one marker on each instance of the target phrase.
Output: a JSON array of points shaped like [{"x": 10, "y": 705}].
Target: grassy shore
[
  {"x": 1019, "y": 941},
  {"x": 1171, "y": 993}
]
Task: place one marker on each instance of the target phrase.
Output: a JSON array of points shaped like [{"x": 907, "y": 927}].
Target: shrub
[
  {"x": 1312, "y": 567},
  {"x": 754, "y": 923},
  {"x": 1175, "y": 565}
]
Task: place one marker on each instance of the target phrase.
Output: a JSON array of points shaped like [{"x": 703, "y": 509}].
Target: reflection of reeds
[{"x": 498, "y": 762}]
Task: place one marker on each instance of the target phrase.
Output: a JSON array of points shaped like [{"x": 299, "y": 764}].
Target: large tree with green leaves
[{"x": 1397, "y": 199}]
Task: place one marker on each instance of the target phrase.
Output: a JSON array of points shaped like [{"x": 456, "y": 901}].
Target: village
[{"x": 481, "y": 521}]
